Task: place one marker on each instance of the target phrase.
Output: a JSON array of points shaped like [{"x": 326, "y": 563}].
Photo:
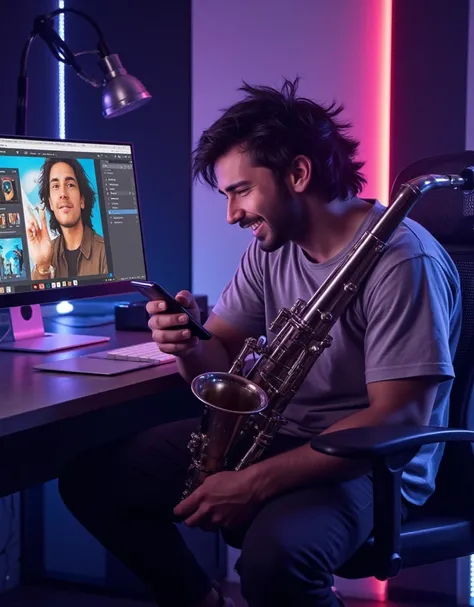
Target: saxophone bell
[{"x": 228, "y": 402}]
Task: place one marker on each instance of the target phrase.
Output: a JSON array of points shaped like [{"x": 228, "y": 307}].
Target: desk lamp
[{"x": 121, "y": 92}]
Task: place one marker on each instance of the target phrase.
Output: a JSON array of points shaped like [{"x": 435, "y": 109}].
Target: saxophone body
[{"x": 243, "y": 412}]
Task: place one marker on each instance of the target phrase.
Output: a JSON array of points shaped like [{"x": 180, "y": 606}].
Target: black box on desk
[{"x": 133, "y": 316}]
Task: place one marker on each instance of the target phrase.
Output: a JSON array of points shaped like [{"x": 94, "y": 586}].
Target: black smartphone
[{"x": 153, "y": 291}]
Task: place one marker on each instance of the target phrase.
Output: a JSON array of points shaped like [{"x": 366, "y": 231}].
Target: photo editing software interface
[{"x": 68, "y": 215}]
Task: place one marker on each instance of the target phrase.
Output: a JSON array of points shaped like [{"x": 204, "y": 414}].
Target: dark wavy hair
[
  {"x": 274, "y": 126},
  {"x": 85, "y": 189}
]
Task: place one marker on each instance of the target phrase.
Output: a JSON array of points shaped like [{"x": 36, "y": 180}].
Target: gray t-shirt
[{"x": 405, "y": 322}]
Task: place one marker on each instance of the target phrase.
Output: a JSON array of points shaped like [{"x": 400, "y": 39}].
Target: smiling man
[
  {"x": 288, "y": 171},
  {"x": 78, "y": 250}
]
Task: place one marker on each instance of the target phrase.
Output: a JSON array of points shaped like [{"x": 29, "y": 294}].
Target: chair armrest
[
  {"x": 373, "y": 442},
  {"x": 388, "y": 448}
]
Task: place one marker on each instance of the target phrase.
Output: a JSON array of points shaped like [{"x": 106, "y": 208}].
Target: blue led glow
[
  {"x": 63, "y": 307},
  {"x": 471, "y": 577}
]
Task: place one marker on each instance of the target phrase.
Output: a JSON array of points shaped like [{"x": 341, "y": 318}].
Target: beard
[
  {"x": 71, "y": 223},
  {"x": 275, "y": 235},
  {"x": 281, "y": 224}
]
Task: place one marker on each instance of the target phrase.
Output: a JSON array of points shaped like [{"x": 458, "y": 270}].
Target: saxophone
[{"x": 243, "y": 412}]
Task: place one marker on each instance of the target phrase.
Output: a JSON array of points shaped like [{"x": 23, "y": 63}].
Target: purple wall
[
  {"x": 429, "y": 80},
  {"x": 335, "y": 47}
]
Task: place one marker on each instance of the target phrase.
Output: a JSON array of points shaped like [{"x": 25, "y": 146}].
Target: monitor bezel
[{"x": 103, "y": 289}]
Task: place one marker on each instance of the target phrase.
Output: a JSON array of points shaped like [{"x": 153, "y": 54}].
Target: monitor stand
[{"x": 28, "y": 334}]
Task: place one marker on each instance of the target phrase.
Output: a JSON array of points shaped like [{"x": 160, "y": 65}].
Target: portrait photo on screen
[{"x": 64, "y": 231}]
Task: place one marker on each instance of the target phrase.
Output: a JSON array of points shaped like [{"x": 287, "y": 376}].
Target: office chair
[{"x": 443, "y": 528}]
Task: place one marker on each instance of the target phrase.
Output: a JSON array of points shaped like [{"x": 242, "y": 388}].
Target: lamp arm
[
  {"x": 103, "y": 46},
  {"x": 43, "y": 27},
  {"x": 22, "y": 88}
]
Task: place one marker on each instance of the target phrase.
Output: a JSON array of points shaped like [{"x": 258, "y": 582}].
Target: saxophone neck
[
  {"x": 410, "y": 192},
  {"x": 422, "y": 184}
]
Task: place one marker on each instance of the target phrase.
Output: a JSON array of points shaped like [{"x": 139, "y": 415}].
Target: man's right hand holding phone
[{"x": 170, "y": 331}]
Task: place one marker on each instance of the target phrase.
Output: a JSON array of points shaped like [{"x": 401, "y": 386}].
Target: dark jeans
[{"x": 124, "y": 494}]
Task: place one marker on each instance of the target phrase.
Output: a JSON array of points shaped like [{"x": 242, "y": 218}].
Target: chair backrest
[{"x": 449, "y": 216}]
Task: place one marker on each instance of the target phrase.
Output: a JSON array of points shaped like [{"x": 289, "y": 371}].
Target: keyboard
[{"x": 147, "y": 352}]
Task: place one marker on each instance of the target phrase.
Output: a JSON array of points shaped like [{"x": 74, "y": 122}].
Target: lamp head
[{"x": 122, "y": 92}]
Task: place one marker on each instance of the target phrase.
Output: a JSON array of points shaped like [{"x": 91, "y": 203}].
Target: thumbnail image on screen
[
  {"x": 12, "y": 266},
  {"x": 63, "y": 223},
  {"x": 8, "y": 190}
]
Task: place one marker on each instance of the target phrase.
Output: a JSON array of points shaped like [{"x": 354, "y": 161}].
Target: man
[
  {"x": 288, "y": 172},
  {"x": 65, "y": 191}
]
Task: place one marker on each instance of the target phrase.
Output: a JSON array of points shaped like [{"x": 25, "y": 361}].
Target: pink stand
[{"x": 29, "y": 335}]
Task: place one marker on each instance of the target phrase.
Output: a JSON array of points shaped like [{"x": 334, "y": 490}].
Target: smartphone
[{"x": 153, "y": 291}]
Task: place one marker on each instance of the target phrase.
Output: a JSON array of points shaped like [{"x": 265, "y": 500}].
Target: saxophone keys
[
  {"x": 320, "y": 346},
  {"x": 326, "y": 316},
  {"x": 195, "y": 441},
  {"x": 279, "y": 321},
  {"x": 350, "y": 287},
  {"x": 262, "y": 342}
]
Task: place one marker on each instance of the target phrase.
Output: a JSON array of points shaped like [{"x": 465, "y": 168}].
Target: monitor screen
[{"x": 69, "y": 220}]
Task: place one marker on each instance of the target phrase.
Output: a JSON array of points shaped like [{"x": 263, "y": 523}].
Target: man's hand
[
  {"x": 164, "y": 326},
  {"x": 225, "y": 499},
  {"x": 39, "y": 241}
]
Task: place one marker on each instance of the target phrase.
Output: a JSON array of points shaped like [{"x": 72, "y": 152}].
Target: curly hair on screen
[
  {"x": 274, "y": 126},
  {"x": 83, "y": 182}
]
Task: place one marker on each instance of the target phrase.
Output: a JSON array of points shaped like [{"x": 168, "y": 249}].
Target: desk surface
[{"x": 31, "y": 399}]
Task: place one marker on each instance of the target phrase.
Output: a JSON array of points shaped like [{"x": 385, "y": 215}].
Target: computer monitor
[{"x": 69, "y": 228}]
